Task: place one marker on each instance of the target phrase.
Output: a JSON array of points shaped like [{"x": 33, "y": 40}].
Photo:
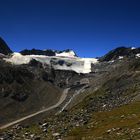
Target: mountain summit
[
  {"x": 121, "y": 52},
  {"x": 4, "y": 49},
  {"x": 49, "y": 52}
]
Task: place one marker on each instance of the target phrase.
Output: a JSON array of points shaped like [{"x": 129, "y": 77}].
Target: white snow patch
[
  {"x": 138, "y": 55},
  {"x": 120, "y": 57},
  {"x": 66, "y": 54},
  {"x": 133, "y": 48},
  {"x": 79, "y": 65},
  {"x": 18, "y": 59},
  {"x": 112, "y": 61}
]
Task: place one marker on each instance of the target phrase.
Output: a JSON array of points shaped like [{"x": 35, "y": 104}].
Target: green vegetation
[
  {"x": 100, "y": 93},
  {"x": 118, "y": 124}
]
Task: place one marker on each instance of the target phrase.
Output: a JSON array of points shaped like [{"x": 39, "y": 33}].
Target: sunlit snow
[
  {"x": 133, "y": 48},
  {"x": 66, "y": 54},
  {"x": 69, "y": 62},
  {"x": 138, "y": 55},
  {"x": 120, "y": 57}
]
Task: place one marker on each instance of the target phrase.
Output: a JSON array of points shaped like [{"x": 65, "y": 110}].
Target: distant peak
[
  {"x": 49, "y": 52},
  {"x": 38, "y": 52},
  {"x": 120, "y": 52},
  {"x": 66, "y": 53}
]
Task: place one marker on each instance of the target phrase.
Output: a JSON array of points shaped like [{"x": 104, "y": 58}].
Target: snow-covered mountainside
[
  {"x": 68, "y": 60},
  {"x": 62, "y": 61}
]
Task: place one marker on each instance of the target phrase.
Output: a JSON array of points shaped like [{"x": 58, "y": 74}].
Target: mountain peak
[
  {"x": 66, "y": 53},
  {"x": 38, "y": 52},
  {"x": 120, "y": 52},
  {"x": 4, "y": 49},
  {"x": 49, "y": 52}
]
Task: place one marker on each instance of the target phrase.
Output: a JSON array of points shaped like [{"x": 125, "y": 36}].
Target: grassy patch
[
  {"x": 120, "y": 123},
  {"x": 97, "y": 94}
]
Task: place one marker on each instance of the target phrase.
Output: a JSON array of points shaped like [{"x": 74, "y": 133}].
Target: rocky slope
[
  {"x": 23, "y": 91},
  {"x": 120, "y": 52},
  {"x": 102, "y": 104},
  {"x": 4, "y": 49},
  {"x": 118, "y": 85},
  {"x": 28, "y": 88}
]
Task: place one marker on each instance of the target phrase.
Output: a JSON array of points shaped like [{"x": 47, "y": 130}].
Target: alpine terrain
[{"x": 56, "y": 95}]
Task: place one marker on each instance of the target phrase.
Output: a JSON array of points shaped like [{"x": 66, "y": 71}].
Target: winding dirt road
[
  {"x": 62, "y": 98},
  {"x": 74, "y": 95}
]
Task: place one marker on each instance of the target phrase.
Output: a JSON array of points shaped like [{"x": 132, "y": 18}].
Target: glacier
[{"x": 62, "y": 61}]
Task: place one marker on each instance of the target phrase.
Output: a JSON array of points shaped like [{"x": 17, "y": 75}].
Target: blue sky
[{"x": 90, "y": 27}]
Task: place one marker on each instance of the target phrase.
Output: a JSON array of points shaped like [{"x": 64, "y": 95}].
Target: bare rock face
[
  {"x": 38, "y": 52},
  {"x": 120, "y": 52},
  {"x": 4, "y": 49},
  {"x": 47, "y": 52}
]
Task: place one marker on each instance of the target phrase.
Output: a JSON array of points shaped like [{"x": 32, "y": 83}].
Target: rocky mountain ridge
[
  {"x": 47, "y": 52},
  {"x": 120, "y": 52},
  {"x": 4, "y": 49}
]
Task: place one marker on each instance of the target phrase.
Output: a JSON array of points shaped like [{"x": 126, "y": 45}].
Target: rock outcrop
[
  {"x": 120, "y": 52},
  {"x": 4, "y": 49}
]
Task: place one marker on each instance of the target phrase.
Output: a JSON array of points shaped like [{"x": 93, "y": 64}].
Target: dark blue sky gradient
[{"x": 90, "y": 27}]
